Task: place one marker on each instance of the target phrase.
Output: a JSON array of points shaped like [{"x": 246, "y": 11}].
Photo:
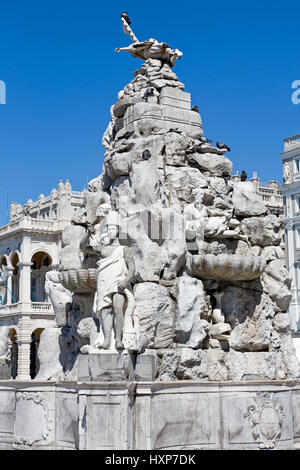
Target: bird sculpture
[{"x": 222, "y": 146}]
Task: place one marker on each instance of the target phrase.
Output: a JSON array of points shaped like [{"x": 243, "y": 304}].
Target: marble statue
[
  {"x": 4, "y": 350},
  {"x": 115, "y": 270},
  {"x": 150, "y": 49},
  {"x": 60, "y": 297},
  {"x": 287, "y": 174}
]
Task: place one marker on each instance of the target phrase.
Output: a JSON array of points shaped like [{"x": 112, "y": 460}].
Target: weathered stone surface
[
  {"x": 150, "y": 257},
  {"x": 192, "y": 309},
  {"x": 249, "y": 314},
  {"x": 277, "y": 281},
  {"x": 246, "y": 201},
  {"x": 213, "y": 365},
  {"x": 49, "y": 353},
  {"x": 149, "y": 118},
  {"x": 271, "y": 253},
  {"x": 92, "y": 207},
  {"x": 189, "y": 364},
  {"x": 289, "y": 355},
  {"x": 282, "y": 322},
  {"x": 104, "y": 366},
  {"x": 184, "y": 180},
  {"x": 218, "y": 365},
  {"x": 219, "y": 185},
  {"x": 263, "y": 231},
  {"x": 71, "y": 257},
  {"x": 220, "y": 331},
  {"x": 168, "y": 363},
  {"x": 175, "y": 147},
  {"x": 119, "y": 164},
  {"x": 146, "y": 366},
  {"x": 211, "y": 163},
  {"x": 173, "y": 241},
  {"x": 5, "y": 372},
  {"x": 156, "y": 315},
  {"x": 141, "y": 191},
  {"x": 255, "y": 366}
]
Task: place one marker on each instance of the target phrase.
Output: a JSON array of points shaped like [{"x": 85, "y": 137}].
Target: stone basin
[
  {"x": 226, "y": 267},
  {"x": 79, "y": 281}
]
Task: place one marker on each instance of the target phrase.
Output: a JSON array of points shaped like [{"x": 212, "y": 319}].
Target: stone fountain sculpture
[
  {"x": 168, "y": 257},
  {"x": 171, "y": 296}
]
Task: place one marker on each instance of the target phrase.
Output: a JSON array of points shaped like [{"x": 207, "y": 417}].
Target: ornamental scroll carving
[{"x": 265, "y": 417}]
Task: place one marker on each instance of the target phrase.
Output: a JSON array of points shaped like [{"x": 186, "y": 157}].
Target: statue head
[
  {"x": 112, "y": 225},
  {"x": 104, "y": 239},
  {"x": 112, "y": 232}
]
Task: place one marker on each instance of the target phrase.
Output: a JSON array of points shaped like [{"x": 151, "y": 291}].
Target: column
[
  {"x": 25, "y": 270},
  {"x": 9, "y": 285},
  {"x": 25, "y": 281},
  {"x": 24, "y": 340},
  {"x": 290, "y": 259}
]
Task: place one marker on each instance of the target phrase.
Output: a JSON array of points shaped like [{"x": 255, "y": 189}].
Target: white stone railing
[
  {"x": 9, "y": 308},
  {"x": 41, "y": 224},
  {"x": 27, "y": 223},
  {"x": 77, "y": 193},
  {"x": 292, "y": 143},
  {"x": 42, "y": 306},
  {"x": 35, "y": 307}
]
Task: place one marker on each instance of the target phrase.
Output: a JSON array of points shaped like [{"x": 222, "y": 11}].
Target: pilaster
[
  {"x": 24, "y": 340},
  {"x": 9, "y": 285}
]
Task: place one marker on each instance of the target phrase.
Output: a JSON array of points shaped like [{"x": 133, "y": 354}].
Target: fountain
[{"x": 171, "y": 297}]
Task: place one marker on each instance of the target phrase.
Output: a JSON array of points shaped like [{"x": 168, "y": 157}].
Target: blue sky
[{"x": 62, "y": 75}]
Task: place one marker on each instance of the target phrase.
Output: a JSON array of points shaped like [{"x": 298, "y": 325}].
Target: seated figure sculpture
[
  {"x": 115, "y": 270},
  {"x": 202, "y": 222}
]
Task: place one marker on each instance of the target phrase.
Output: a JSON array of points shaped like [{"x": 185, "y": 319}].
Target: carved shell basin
[
  {"x": 226, "y": 267},
  {"x": 79, "y": 280}
]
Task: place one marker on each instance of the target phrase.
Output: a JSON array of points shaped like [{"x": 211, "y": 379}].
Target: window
[
  {"x": 297, "y": 162},
  {"x": 297, "y": 203},
  {"x": 33, "y": 290},
  {"x": 298, "y": 238}
]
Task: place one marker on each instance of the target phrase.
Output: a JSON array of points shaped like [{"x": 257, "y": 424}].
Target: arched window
[
  {"x": 34, "y": 357},
  {"x": 41, "y": 262},
  {"x": 3, "y": 280},
  {"x": 13, "y": 353},
  {"x": 33, "y": 290},
  {"x": 15, "y": 278}
]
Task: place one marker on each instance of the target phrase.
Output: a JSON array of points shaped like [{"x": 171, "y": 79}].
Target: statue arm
[
  {"x": 131, "y": 268},
  {"x": 85, "y": 245},
  {"x": 130, "y": 265}
]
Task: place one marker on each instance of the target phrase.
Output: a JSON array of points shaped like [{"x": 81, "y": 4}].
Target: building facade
[
  {"x": 291, "y": 198},
  {"x": 29, "y": 247}
]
